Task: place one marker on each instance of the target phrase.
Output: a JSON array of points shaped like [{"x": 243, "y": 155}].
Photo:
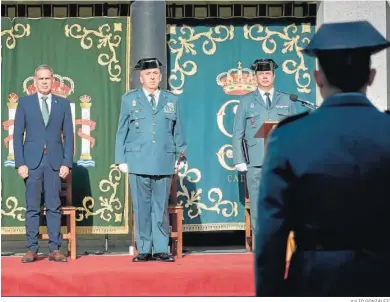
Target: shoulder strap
[
  {"x": 292, "y": 118},
  {"x": 130, "y": 91}
]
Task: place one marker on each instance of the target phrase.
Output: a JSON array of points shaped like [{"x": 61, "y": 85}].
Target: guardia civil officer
[
  {"x": 148, "y": 141},
  {"x": 265, "y": 103},
  {"x": 326, "y": 177}
]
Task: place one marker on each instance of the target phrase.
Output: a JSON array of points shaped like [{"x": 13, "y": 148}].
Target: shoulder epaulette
[
  {"x": 168, "y": 91},
  {"x": 292, "y": 118},
  {"x": 130, "y": 91}
]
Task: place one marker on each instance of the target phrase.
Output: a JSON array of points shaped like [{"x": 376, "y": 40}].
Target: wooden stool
[
  {"x": 70, "y": 212},
  {"x": 176, "y": 232}
]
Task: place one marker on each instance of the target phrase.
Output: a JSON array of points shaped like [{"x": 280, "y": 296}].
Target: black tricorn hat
[{"x": 147, "y": 63}]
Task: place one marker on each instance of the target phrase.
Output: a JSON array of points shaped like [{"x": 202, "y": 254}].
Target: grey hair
[{"x": 43, "y": 66}]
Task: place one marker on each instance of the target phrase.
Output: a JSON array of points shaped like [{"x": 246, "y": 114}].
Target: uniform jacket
[
  {"x": 149, "y": 142},
  {"x": 326, "y": 177},
  {"x": 252, "y": 112},
  {"x": 57, "y": 137}
]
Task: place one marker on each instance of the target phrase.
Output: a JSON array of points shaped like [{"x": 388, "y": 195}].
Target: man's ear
[
  {"x": 319, "y": 78},
  {"x": 371, "y": 77}
]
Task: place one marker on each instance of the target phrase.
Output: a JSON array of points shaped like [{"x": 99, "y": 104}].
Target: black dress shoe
[
  {"x": 165, "y": 257},
  {"x": 142, "y": 258}
]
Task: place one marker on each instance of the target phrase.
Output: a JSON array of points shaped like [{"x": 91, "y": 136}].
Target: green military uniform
[
  {"x": 149, "y": 140},
  {"x": 254, "y": 109}
]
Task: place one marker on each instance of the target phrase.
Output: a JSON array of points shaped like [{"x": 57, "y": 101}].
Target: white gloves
[
  {"x": 124, "y": 168},
  {"x": 179, "y": 165},
  {"x": 242, "y": 167}
]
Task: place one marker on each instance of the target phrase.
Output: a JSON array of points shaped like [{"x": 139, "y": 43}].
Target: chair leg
[
  {"x": 69, "y": 231},
  {"x": 73, "y": 242},
  {"x": 179, "y": 222},
  {"x": 247, "y": 231}
]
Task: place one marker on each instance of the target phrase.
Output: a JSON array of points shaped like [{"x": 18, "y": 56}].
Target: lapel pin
[{"x": 252, "y": 105}]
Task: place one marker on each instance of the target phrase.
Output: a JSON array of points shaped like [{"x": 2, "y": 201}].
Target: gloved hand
[
  {"x": 124, "y": 168},
  {"x": 242, "y": 167},
  {"x": 179, "y": 165}
]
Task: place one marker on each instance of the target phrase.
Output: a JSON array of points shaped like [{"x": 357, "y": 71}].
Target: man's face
[
  {"x": 265, "y": 78},
  {"x": 43, "y": 81},
  {"x": 150, "y": 78}
]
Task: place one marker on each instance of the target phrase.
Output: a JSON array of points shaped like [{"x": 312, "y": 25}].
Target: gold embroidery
[
  {"x": 109, "y": 206},
  {"x": 296, "y": 67},
  {"x": 106, "y": 39},
  {"x": 184, "y": 44},
  {"x": 193, "y": 198},
  {"x": 16, "y": 212},
  {"x": 16, "y": 32}
]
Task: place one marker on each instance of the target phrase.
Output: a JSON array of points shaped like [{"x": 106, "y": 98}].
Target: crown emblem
[
  {"x": 13, "y": 98},
  {"x": 237, "y": 81},
  {"x": 85, "y": 98},
  {"x": 62, "y": 86}
]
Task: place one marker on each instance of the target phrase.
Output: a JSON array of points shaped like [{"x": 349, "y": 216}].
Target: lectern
[{"x": 264, "y": 132}]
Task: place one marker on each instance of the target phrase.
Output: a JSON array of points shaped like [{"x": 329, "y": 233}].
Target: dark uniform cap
[
  {"x": 264, "y": 65},
  {"x": 358, "y": 36},
  {"x": 147, "y": 63}
]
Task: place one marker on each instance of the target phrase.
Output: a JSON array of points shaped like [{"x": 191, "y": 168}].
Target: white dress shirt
[
  {"x": 48, "y": 101},
  {"x": 156, "y": 95},
  {"x": 271, "y": 94}
]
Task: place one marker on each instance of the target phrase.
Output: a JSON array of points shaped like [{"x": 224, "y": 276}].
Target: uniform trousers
[{"x": 150, "y": 195}]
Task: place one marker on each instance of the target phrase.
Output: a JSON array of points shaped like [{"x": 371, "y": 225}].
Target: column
[
  {"x": 378, "y": 14},
  {"x": 148, "y": 36}
]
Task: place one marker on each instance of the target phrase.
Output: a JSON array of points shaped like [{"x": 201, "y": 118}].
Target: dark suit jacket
[
  {"x": 29, "y": 151},
  {"x": 326, "y": 177}
]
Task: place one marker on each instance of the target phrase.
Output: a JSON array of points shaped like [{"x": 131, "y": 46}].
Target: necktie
[
  {"x": 152, "y": 101},
  {"x": 45, "y": 110},
  {"x": 268, "y": 100}
]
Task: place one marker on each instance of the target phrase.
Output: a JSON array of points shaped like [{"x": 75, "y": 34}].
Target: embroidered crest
[
  {"x": 169, "y": 108},
  {"x": 281, "y": 106},
  {"x": 134, "y": 103}
]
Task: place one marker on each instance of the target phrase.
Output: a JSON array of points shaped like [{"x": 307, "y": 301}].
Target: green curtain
[
  {"x": 201, "y": 59},
  {"x": 90, "y": 59}
]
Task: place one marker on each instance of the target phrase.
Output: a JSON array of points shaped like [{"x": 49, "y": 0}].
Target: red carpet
[{"x": 193, "y": 275}]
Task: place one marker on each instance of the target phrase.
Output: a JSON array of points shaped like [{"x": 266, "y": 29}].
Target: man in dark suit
[
  {"x": 42, "y": 158},
  {"x": 326, "y": 177}
]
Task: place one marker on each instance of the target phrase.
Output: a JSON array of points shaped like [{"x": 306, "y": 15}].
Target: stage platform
[{"x": 193, "y": 275}]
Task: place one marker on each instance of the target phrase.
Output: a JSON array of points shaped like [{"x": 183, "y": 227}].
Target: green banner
[
  {"x": 209, "y": 71},
  {"x": 90, "y": 59}
]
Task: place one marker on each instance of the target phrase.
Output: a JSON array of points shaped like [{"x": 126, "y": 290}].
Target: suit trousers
[
  {"x": 45, "y": 179},
  {"x": 150, "y": 195},
  {"x": 253, "y": 179}
]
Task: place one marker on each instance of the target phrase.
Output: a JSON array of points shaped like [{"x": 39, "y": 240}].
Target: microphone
[{"x": 295, "y": 98}]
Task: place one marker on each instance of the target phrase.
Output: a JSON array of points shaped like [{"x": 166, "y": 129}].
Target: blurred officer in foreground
[
  {"x": 326, "y": 177},
  {"x": 148, "y": 141}
]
